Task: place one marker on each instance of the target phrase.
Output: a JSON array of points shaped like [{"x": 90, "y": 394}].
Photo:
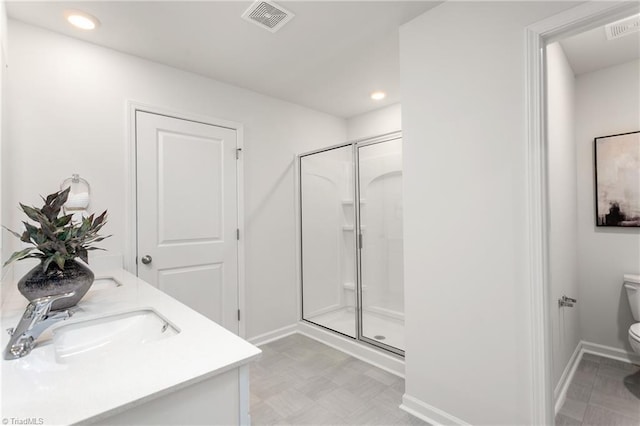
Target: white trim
[
  {"x": 428, "y": 413},
  {"x": 242, "y": 296},
  {"x": 130, "y": 224},
  {"x": 580, "y": 18},
  {"x": 298, "y": 233},
  {"x": 560, "y": 392},
  {"x": 538, "y": 270},
  {"x": 376, "y": 357},
  {"x": 610, "y": 352},
  {"x": 130, "y": 190},
  {"x": 274, "y": 335}
]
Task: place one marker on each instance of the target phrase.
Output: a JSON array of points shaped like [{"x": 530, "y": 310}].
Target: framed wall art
[{"x": 617, "y": 180}]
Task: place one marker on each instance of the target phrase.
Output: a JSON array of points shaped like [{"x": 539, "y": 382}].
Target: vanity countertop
[{"x": 45, "y": 390}]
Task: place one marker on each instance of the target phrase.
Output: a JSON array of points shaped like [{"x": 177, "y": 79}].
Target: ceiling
[
  {"x": 329, "y": 57},
  {"x": 590, "y": 51}
]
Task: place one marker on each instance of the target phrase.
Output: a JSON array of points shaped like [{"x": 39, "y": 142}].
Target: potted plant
[{"x": 57, "y": 242}]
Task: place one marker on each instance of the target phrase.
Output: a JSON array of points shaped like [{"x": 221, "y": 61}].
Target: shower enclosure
[{"x": 351, "y": 240}]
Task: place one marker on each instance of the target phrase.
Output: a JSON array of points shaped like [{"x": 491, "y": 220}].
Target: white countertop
[{"x": 38, "y": 386}]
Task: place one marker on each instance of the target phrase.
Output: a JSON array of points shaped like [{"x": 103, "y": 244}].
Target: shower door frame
[
  {"x": 388, "y": 137},
  {"x": 357, "y": 247}
]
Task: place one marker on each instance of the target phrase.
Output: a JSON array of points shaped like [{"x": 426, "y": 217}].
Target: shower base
[{"x": 389, "y": 331}]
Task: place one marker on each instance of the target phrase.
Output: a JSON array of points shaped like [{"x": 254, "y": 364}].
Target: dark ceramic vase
[{"x": 75, "y": 277}]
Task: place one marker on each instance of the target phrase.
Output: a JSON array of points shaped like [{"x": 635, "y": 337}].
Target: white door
[{"x": 187, "y": 213}]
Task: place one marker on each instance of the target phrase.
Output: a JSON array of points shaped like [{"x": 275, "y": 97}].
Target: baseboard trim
[
  {"x": 428, "y": 413},
  {"x": 271, "y": 336},
  {"x": 388, "y": 362},
  {"x": 610, "y": 352},
  {"x": 560, "y": 392}
]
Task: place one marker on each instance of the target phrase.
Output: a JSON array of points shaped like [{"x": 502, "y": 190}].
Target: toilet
[{"x": 632, "y": 285}]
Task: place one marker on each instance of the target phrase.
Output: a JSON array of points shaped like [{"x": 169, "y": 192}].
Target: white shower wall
[
  {"x": 381, "y": 220},
  {"x": 327, "y": 243}
]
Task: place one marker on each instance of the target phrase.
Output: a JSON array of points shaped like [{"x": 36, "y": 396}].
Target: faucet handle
[
  {"x": 42, "y": 305},
  {"x": 39, "y": 308}
]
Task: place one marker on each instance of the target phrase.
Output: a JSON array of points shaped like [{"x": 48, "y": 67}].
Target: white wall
[
  {"x": 374, "y": 123},
  {"x": 563, "y": 238},
  {"x": 3, "y": 131},
  {"x": 67, "y": 102},
  {"x": 466, "y": 289},
  {"x": 607, "y": 103}
]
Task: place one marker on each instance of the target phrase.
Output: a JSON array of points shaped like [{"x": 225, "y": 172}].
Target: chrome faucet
[{"x": 35, "y": 320}]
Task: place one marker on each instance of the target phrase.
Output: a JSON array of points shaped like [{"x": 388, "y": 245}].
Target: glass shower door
[
  {"x": 379, "y": 187},
  {"x": 328, "y": 239}
]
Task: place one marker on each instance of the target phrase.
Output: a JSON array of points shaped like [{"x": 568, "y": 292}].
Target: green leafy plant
[{"x": 57, "y": 239}]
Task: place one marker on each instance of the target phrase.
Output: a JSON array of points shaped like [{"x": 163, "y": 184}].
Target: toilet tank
[{"x": 632, "y": 285}]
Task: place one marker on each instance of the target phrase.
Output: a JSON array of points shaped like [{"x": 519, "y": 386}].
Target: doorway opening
[{"x": 549, "y": 382}]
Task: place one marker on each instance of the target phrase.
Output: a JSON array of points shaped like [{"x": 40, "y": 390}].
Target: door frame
[
  {"x": 537, "y": 36},
  {"x": 131, "y": 209}
]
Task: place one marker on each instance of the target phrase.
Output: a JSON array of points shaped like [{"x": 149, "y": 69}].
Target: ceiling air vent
[
  {"x": 268, "y": 15},
  {"x": 623, "y": 27}
]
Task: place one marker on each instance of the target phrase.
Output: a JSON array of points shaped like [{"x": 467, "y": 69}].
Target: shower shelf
[{"x": 350, "y": 202}]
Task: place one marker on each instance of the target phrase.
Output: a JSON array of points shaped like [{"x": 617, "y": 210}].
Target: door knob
[{"x": 146, "y": 259}]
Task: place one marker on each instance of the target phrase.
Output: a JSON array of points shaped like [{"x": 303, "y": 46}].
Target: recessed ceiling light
[
  {"x": 81, "y": 20},
  {"x": 377, "y": 96}
]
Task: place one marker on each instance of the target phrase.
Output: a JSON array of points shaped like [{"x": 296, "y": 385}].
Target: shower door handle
[{"x": 360, "y": 241}]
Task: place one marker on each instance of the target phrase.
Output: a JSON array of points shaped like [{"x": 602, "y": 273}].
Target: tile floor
[
  {"x": 299, "y": 381},
  {"x": 602, "y": 392}
]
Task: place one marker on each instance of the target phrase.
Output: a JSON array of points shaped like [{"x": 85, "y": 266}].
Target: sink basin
[
  {"x": 110, "y": 335},
  {"x": 100, "y": 283}
]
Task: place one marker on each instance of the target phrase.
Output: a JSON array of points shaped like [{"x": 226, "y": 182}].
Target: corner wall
[
  {"x": 468, "y": 355},
  {"x": 607, "y": 103},
  {"x": 67, "y": 114},
  {"x": 378, "y": 122}
]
